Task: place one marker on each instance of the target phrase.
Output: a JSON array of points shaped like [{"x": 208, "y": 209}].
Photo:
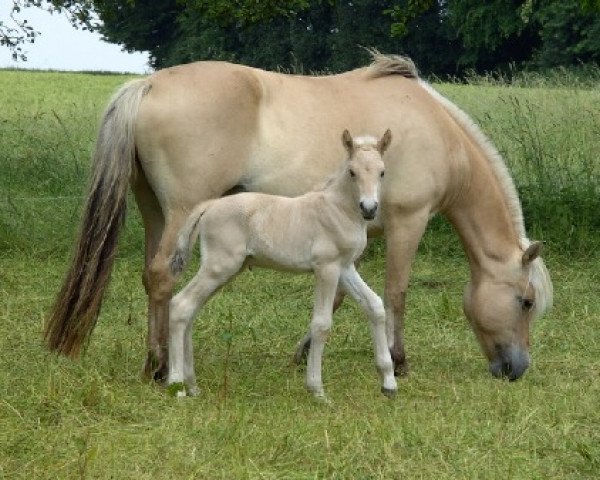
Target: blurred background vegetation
[{"x": 444, "y": 37}]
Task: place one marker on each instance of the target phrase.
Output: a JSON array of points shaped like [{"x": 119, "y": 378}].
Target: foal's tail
[
  {"x": 77, "y": 306},
  {"x": 187, "y": 238}
]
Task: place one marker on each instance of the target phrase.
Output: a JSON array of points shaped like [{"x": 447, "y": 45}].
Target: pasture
[{"x": 95, "y": 418}]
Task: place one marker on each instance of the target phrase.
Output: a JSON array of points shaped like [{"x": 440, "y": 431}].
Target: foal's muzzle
[
  {"x": 368, "y": 209},
  {"x": 511, "y": 363}
]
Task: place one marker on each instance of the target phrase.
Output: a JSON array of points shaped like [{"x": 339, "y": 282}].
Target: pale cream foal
[{"x": 321, "y": 231}]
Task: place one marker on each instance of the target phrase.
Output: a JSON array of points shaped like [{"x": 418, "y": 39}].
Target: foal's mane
[{"x": 394, "y": 64}]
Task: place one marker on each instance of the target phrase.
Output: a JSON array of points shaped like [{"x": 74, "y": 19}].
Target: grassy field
[{"x": 94, "y": 418}]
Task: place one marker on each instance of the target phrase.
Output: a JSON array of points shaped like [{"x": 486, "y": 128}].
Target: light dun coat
[
  {"x": 194, "y": 132},
  {"x": 322, "y": 231}
]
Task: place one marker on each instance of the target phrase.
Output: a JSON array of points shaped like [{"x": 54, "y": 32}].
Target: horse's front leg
[
  {"x": 370, "y": 302},
  {"x": 403, "y": 231},
  {"x": 326, "y": 281}
]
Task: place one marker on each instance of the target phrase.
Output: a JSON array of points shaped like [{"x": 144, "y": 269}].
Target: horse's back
[{"x": 207, "y": 127}]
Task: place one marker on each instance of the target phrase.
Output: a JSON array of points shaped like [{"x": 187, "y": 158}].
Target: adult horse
[{"x": 199, "y": 131}]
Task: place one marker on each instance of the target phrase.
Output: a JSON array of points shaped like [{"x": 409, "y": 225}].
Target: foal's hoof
[
  {"x": 322, "y": 399},
  {"x": 181, "y": 389},
  {"x": 177, "y": 389},
  {"x": 389, "y": 392}
]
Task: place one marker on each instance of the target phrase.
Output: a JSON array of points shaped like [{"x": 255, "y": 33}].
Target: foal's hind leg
[{"x": 216, "y": 270}]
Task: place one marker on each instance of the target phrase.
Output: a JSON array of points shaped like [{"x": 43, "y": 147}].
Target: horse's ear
[
  {"x": 385, "y": 141},
  {"x": 347, "y": 141},
  {"x": 533, "y": 251}
]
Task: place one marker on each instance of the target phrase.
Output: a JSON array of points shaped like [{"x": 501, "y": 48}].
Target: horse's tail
[
  {"x": 187, "y": 238},
  {"x": 77, "y": 306}
]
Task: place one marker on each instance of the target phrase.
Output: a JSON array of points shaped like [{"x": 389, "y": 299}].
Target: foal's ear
[
  {"x": 384, "y": 143},
  {"x": 533, "y": 251},
  {"x": 347, "y": 141}
]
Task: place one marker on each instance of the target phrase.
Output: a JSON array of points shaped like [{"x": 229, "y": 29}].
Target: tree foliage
[{"x": 443, "y": 36}]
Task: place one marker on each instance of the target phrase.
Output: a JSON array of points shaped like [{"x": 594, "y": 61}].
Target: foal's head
[{"x": 365, "y": 168}]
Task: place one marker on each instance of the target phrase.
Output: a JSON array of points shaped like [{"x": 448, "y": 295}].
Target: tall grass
[{"x": 549, "y": 139}]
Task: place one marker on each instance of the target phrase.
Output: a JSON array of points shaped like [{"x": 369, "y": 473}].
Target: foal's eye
[
  {"x": 352, "y": 174},
  {"x": 382, "y": 174},
  {"x": 526, "y": 303}
]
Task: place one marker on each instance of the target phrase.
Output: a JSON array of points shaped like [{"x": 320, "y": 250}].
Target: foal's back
[{"x": 279, "y": 232}]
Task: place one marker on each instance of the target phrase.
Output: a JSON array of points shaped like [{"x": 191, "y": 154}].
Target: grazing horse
[
  {"x": 323, "y": 231},
  {"x": 194, "y": 132}
]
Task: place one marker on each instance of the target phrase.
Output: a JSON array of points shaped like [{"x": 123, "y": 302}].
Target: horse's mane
[
  {"x": 539, "y": 277},
  {"x": 382, "y": 65}
]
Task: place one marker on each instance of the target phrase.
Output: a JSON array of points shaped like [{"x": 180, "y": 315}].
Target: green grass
[
  {"x": 450, "y": 419},
  {"x": 95, "y": 418}
]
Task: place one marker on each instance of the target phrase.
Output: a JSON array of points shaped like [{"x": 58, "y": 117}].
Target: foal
[{"x": 322, "y": 231}]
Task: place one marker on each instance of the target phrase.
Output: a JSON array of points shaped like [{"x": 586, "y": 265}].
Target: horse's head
[
  {"x": 501, "y": 305},
  {"x": 366, "y": 169}
]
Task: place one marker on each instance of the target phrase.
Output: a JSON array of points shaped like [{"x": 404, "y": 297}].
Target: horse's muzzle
[
  {"x": 369, "y": 211},
  {"x": 511, "y": 363}
]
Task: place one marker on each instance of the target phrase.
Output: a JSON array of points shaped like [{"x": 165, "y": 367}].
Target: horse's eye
[
  {"x": 382, "y": 174},
  {"x": 526, "y": 303},
  {"x": 352, "y": 174}
]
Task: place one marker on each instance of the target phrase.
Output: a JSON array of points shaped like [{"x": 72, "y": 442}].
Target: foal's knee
[
  {"x": 377, "y": 309},
  {"x": 320, "y": 328},
  {"x": 181, "y": 310}
]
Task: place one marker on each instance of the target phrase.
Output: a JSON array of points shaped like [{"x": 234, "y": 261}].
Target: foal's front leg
[
  {"x": 355, "y": 286},
  {"x": 326, "y": 281}
]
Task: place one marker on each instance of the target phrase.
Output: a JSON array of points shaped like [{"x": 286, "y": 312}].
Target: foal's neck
[{"x": 341, "y": 192}]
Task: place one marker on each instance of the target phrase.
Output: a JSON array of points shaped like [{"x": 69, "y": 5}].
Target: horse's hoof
[
  {"x": 302, "y": 351},
  {"x": 161, "y": 373},
  {"x": 389, "y": 392},
  {"x": 400, "y": 367}
]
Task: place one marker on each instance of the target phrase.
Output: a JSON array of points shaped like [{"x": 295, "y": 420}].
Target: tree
[
  {"x": 569, "y": 34},
  {"x": 443, "y": 36}
]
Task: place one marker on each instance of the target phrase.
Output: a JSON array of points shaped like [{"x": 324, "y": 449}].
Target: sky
[{"x": 62, "y": 47}]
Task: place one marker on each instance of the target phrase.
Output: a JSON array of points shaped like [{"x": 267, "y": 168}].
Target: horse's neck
[{"x": 483, "y": 220}]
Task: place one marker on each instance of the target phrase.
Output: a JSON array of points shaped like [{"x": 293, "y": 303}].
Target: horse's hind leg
[
  {"x": 154, "y": 225},
  {"x": 355, "y": 286},
  {"x": 160, "y": 281}
]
